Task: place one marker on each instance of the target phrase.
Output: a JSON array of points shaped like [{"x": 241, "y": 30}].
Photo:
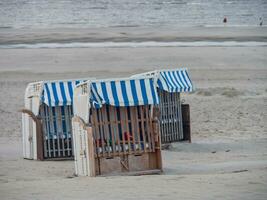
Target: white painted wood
[
  {"x": 81, "y": 101},
  {"x": 75, "y": 146},
  {"x": 80, "y": 143},
  {"x": 31, "y": 102}
]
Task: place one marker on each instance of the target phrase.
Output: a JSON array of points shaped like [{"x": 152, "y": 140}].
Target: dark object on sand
[
  {"x": 225, "y": 20},
  {"x": 166, "y": 146},
  {"x": 261, "y": 21},
  {"x": 239, "y": 171}
]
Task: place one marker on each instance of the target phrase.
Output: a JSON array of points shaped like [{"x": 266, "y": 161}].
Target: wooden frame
[
  {"x": 121, "y": 140},
  {"x": 39, "y": 132}
]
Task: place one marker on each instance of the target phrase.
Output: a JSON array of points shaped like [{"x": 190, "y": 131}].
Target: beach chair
[
  {"x": 46, "y": 120},
  {"x": 174, "y": 115},
  {"x": 115, "y": 127}
]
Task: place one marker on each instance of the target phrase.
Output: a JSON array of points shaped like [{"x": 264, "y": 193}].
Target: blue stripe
[
  {"x": 97, "y": 99},
  {"x": 187, "y": 86},
  {"x": 70, "y": 90},
  {"x": 155, "y": 100},
  {"x": 189, "y": 80},
  {"x": 94, "y": 100},
  {"x": 143, "y": 89},
  {"x": 114, "y": 93},
  {"x": 94, "y": 86},
  {"x": 48, "y": 94},
  {"x": 175, "y": 86},
  {"x": 178, "y": 89},
  {"x": 105, "y": 93},
  {"x": 63, "y": 93},
  {"x": 124, "y": 93},
  {"x": 183, "y": 85},
  {"x": 167, "y": 80},
  {"x": 55, "y": 93},
  {"x": 134, "y": 93},
  {"x": 95, "y": 104},
  {"x": 159, "y": 83}
]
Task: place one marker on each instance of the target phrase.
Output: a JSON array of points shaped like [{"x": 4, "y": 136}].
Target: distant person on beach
[
  {"x": 261, "y": 21},
  {"x": 224, "y": 20}
]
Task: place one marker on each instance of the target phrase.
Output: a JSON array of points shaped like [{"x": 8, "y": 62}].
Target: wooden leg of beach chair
[
  {"x": 39, "y": 140},
  {"x": 157, "y": 146},
  {"x": 157, "y": 136},
  {"x": 91, "y": 152},
  {"x": 186, "y": 122}
]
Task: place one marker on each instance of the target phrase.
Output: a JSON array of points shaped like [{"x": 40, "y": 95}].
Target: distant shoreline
[{"x": 147, "y": 44}]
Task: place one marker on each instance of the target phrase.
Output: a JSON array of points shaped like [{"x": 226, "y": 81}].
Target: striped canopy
[
  {"x": 174, "y": 81},
  {"x": 58, "y": 93},
  {"x": 124, "y": 92}
]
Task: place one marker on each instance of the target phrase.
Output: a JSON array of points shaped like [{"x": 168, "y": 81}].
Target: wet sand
[{"x": 133, "y": 34}]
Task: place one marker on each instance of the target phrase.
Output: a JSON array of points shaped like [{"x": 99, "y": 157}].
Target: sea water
[{"x": 124, "y": 13}]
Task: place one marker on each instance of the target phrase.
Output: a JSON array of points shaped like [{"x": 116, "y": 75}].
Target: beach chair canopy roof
[
  {"x": 124, "y": 92},
  {"x": 58, "y": 93},
  {"x": 174, "y": 81}
]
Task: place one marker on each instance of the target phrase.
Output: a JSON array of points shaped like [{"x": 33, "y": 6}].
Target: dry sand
[{"x": 226, "y": 160}]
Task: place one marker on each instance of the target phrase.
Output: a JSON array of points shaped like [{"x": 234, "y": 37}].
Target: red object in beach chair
[
  {"x": 99, "y": 142},
  {"x": 128, "y": 136}
]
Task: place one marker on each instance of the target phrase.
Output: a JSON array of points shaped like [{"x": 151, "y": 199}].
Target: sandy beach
[{"x": 227, "y": 158}]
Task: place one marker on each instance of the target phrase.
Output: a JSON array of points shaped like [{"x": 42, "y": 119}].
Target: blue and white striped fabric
[
  {"x": 59, "y": 93},
  {"x": 175, "y": 81},
  {"x": 130, "y": 92}
]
